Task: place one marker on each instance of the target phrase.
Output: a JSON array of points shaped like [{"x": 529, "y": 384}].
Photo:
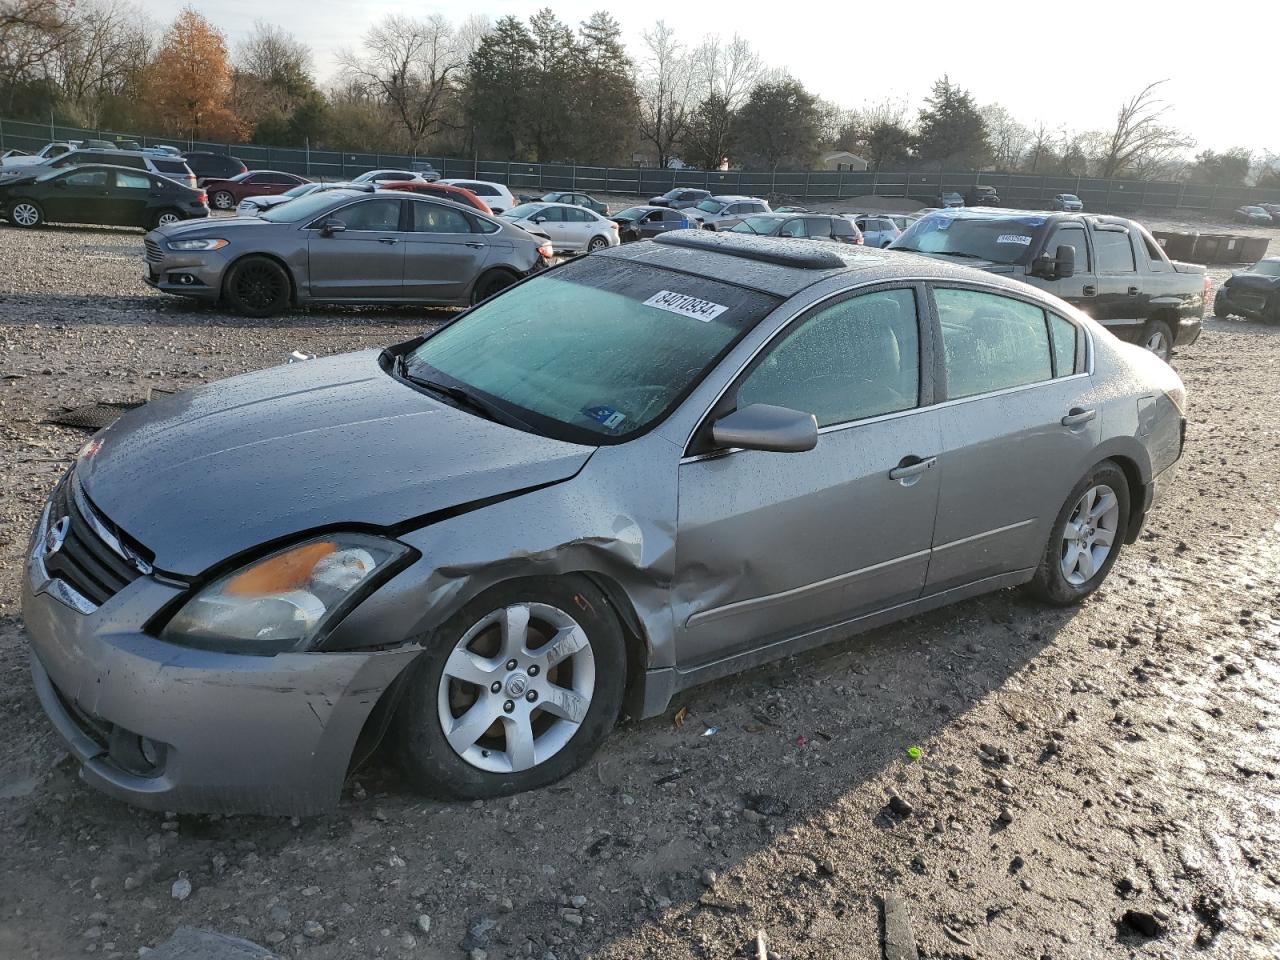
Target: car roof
[
  {"x": 734, "y": 198},
  {"x": 785, "y": 266}
]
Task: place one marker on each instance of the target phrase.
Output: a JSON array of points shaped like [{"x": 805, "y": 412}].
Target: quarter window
[
  {"x": 990, "y": 342},
  {"x": 1064, "y": 335},
  {"x": 858, "y": 358},
  {"x": 430, "y": 218},
  {"x": 1115, "y": 255}
]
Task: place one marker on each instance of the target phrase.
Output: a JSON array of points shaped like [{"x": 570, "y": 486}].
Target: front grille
[
  {"x": 85, "y": 562},
  {"x": 1250, "y": 301},
  {"x": 154, "y": 253}
]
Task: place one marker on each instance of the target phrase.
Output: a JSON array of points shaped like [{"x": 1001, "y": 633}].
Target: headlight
[
  {"x": 196, "y": 244},
  {"x": 287, "y": 600}
]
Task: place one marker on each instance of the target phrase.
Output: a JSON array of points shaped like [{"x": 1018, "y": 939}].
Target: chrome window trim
[{"x": 893, "y": 284}]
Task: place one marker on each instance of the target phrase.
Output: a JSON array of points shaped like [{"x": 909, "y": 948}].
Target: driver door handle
[
  {"x": 1078, "y": 416},
  {"x": 388, "y": 240},
  {"x": 1133, "y": 291},
  {"x": 1090, "y": 290},
  {"x": 909, "y": 470},
  {"x": 474, "y": 245}
]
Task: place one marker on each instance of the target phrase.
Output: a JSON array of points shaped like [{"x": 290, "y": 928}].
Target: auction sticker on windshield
[
  {"x": 685, "y": 305},
  {"x": 1014, "y": 238}
]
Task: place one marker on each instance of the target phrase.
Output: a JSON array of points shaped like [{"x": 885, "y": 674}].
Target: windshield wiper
[
  {"x": 465, "y": 398},
  {"x": 951, "y": 253}
]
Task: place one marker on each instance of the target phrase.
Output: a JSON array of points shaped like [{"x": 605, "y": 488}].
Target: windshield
[
  {"x": 523, "y": 211},
  {"x": 761, "y": 225},
  {"x": 1070, "y": 198},
  {"x": 709, "y": 206},
  {"x": 1255, "y": 210},
  {"x": 1268, "y": 268},
  {"x": 631, "y": 213},
  {"x": 594, "y": 351},
  {"x": 301, "y": 190},
  {"x": 304, "y": 208},
  {"x": 1000, "y": 240}
]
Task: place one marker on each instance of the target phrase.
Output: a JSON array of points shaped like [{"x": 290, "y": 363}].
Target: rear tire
[
  {"x": 1096, "y": 510},
  {"x": 1220, "y": 309},
  {"x": 493, "y": 282},
  {"x": 257, "y": 287},
  {"x": 515, "y": 744},
  {"x": 27, "y": 214},
  {"x": 222, "y": 200},
  {"x": 597, "y": 243},
  {"x": 165, "y": 218},
  {"x": 1158, "y": 338}
]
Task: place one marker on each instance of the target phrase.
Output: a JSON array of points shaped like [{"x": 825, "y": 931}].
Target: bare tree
[
  {"x": 109, "y": 43},
  {"x": 667, "y": 91},
  {"x": 727, "y": 70},
  {"x": 411, "y": 65},
  {"x": 31, "y": 34},
  {"x": 1009, "y": 139},
  {"x": 1140, "y": 141}
]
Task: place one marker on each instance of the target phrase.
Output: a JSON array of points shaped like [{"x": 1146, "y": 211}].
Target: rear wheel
[
  {"x": 1086, "y": 537},
  {"x": 516, "y": 691},
  {"x": 166, "y": 218},
  {"x": 26, "y": 213},
  {"x": 1220, "y": 308},
  {"x": 492, "y": 282},
  {"x": 597, "y": 243},
  {"x": 222, "y": 200},
  {"x": 1158, "y": 338},
  {"x": 257, "y": 287}
]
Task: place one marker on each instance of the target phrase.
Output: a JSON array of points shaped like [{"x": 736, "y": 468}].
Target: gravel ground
[{"x": 1097, "y": 782}]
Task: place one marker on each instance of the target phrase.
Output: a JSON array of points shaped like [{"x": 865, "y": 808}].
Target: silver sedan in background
[
  {"x": 344, "y": 246},
  {"x": 636, "y": 472}
]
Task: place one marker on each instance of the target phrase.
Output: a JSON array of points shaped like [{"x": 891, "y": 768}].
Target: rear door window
[
  {"x": 818, "y": 227},
  {"x": 1115, "y": 255},
  {"x": 433, "y": 218},
  {"x": 990, "y": 342},
  {"x": 793, "y": 228},
  {"x": 133, "y": 181},
  {"x": 87, "y": 178}
]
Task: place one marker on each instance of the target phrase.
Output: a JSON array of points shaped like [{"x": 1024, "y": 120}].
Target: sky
[{"x": 1069, "y": 64}]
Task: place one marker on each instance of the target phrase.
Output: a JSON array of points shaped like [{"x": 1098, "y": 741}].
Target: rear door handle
[
  {"x": 909, "y": 470},
  {"x": 474, "y": 245},
  {"x": 1090, "y": 290},
  {"x": 1078, "y": 416},
  {"x": 388, "y": 240},
  {"x": 1133, "y": 291}
]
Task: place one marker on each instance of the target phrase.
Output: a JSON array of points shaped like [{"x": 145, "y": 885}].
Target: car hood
[
  {"x": 207, "y": 474},
  {"x": 1258, "y": 281},
  {"x": 217, "y": 226},
  {"x": 986, "y": 266}
]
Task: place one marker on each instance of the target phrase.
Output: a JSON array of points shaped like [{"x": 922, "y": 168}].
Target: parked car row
[
  {"x": 99, "y": 193},
  {"x": 1259, "y": 214}
]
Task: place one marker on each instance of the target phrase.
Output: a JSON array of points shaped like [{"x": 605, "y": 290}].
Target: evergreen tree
[
  {"x": 780, "y": 125},
  {"x": 498, "y": 89},
  {"x": 951, "y": 130},
  {"x": 606, "y": 115}
]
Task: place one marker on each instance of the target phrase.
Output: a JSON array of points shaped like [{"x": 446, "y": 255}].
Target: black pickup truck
[{"x": 1109, "y": 267}]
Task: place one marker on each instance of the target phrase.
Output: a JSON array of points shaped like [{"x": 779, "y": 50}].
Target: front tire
[
  {"x": 26, "y": 214},
  {"x": 1220, "y": 308},
  {"x": 516, "y": 691},
  {"x": 1158, "y": 338},
  {"x": 257, "y": 287},
  {"x": 1086, "y": 537},
  {"x": 222, "y": 200}
]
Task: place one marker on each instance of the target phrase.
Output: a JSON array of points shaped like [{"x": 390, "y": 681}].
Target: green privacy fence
[{"x": 812, "y": 186}]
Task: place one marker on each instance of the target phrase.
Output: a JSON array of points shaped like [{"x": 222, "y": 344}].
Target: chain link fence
[{"x": 815, "y": 186}]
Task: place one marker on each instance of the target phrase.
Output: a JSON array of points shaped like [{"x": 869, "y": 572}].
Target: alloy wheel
[
  {"x": 1090, "y": 534},
  {"x": 258, "y": 286},
  {"x": 516, "y": 687},
  {"x": 167, "y": 219},
  {"x": 1157, "y": 343},
  {"x": 25, "y": 214},
  {"x": 597, "y": 243},
  {"x": 223, "y": 200}
]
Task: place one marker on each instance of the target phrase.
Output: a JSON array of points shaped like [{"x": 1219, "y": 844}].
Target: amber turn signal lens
[{"x": 288, "y": 571}]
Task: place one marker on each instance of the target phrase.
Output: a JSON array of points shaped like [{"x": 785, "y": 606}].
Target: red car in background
[
  {"x": 442, "y": 190},
  {"x": 227, "y": 194}
]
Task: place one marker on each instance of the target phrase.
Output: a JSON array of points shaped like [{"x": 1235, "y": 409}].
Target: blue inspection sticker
[{"x": 605, "y": 416}]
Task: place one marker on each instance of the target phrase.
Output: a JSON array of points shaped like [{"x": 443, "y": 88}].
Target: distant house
[{"x": 844, "y": 160}]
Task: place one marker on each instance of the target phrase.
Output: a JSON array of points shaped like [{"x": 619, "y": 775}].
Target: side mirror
[
  {"x": 765, "y": 427},
  {"x": 538, "y": 220},
  {"x": 1066, "y": 261},
  {"x": 331, "y": 226}
]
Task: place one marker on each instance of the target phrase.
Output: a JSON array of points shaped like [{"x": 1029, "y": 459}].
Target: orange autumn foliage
[{"x": 190, "y": 81}]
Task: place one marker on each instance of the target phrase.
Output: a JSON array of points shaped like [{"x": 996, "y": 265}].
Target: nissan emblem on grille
[{"x": 57, "y": 536}]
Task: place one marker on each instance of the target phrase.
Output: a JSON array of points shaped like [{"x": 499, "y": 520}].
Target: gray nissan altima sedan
[
  {"x": 344, "y": 246},
  {"x": 641, "y": 470}
]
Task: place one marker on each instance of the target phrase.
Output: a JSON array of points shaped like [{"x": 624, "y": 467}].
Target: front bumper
[
  {"x": 224, "y": 733},
  {"x": 196, "y": 274}
]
